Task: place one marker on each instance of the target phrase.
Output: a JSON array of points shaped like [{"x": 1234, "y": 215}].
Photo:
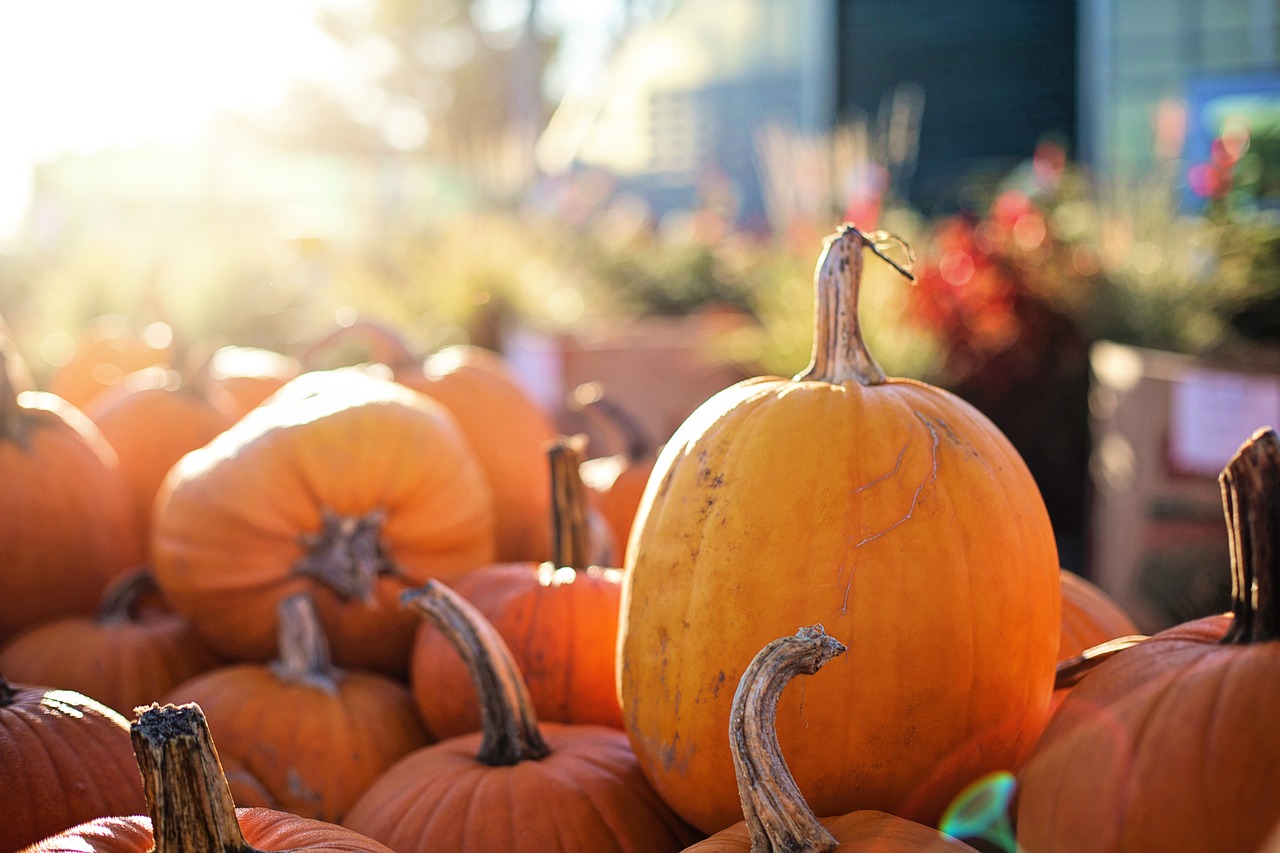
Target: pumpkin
[
  {"x": 518, "y": 784},
  {"x": 1089, "y": 616},
  {"x": 889, "y": 510},
  {"x": 504, "y": 425},
  {"x": 246, "y": 376},
  {"x": 189, "y": 805},
  {"x": 616, "y": 482},
  {"x": 315, "y": 763},
  {"x": 152, "y": 418},
  {"x": 125, "y": 656},
  {"x": 65, "y": 759},
  {"x": 558, "y": 618},
  {"x": 345, "y": 485},
  {"x": 107, "y": 350},
  {"x": 66, "y": 521},
  {"x": 1172, "y": 743},
  {"x": 777, "y": 816}
]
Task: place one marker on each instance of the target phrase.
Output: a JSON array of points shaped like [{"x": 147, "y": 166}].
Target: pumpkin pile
[{"x": 413, "y": 615}]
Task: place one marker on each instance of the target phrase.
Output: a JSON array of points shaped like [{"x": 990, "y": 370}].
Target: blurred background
[{"x": 633, "y": 194}]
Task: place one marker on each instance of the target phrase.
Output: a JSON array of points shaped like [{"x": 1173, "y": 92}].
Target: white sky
[{"x": 79, "y": 75}]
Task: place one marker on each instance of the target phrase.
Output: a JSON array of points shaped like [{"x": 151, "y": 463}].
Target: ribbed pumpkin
[
  {"x": 342, "y": 730},
  {"x": 1172, "y": 744},
  {"x": 503, "y": 424},
  {"x": 152, "y": 418},
  {"x": 518, "y": 784},
  {"x": 559, "y": 619},
  {"x": 777, "y": 817},
  {"x": 189, "y": 807},
  {"x": 890, "y": 511},
  {"x": 346, "y": 485},
  {"x": 66, "y": 521},
  {"x": 64, "y": 759},
  {"x": 125, "y": 656}
]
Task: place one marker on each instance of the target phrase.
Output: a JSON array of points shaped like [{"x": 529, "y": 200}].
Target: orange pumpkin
[
  {"x": 518, "y": 785},
  {"x": 190, "y": 807},
  {"x": 66, "y": 521},
  {"x": 559, "y": 618},
  {"x": 107, "y": 350},
  {"x": 65, "y": 759},
  {"x": 317, "y": 763},
  {"x": 1192, "y": 709},
  {"x": 777, "y": 816},
  {"x": 504, "y": 425},
  {"x": 1089, "y": 616},
  {"x": 887, "y": 509},
  {"x": 246, "y": 376},
  {"x": 342, "y": 484},
  {"x": 125, "y": 656}
]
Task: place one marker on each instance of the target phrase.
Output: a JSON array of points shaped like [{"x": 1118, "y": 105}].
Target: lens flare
[{"x": 982, "y": 811}]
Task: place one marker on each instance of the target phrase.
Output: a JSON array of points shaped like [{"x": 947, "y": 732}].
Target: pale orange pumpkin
[
  {"x": 343, "y": 484},
  {"x": 889, "y": 510}
]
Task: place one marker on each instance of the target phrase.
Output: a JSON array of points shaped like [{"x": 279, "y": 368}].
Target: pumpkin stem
[
  {"x": 590, "y": 397},
  {"x": 1068, "y": 672},
  {"x": 778, "y": 818},
  {"x": 839, "y": 351},
  {"x": 7, "y": 693},
  {"x": 122, "y": 594},
  {"x": 346, "y": 555},
  {"x": 1251, "y": 501},
  {"x": 187, "y": 794},
  {"x": 13, "y": 421},
  {"x": 509, "y": 726},
  {"x": 570, "y": 528},
  {"x": 304, "y": 648}
]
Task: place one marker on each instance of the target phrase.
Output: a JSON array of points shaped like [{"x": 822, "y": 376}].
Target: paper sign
[{"x": 1212, "y": 413}]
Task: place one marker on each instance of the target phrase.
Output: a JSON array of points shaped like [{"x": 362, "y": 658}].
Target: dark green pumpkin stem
[
  {"x": 304, "y": 648},
  {"x": 1251, "y": 501},
  {"x": 346, "y": 554},
  {"x": 778, "y": 818},
  {"x": 509, "y": 725},
  {"x": 570, "y": 529},
  {"x": 187, "y": 794}
]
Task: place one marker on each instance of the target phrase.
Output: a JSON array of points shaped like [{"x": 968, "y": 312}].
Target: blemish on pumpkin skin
[{"x": 719, "y": 682}]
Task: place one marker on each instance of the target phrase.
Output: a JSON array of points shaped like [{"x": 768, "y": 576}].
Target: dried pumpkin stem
[
  {"x": 570, "y": 530},
  {"x": 121, "y": 596},
  {"x": 304, "y": 648},
  {"x": 346, "y": 555},
  {"x": 839, "y": 351},
  {"x": 778, "y": 818},
  {"x": 590, "y": 397},
  {"x": 1068, "y": 672},
  {"x": 14, "y": 424},
  {"x": 509, "y": 726},
  {"x": 1251, "y": 501},
  {"x": 187, "y": 794},
  {"x": 7, "y": 693}
]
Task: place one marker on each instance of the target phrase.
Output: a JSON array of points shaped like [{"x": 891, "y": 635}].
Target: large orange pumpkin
[
  {"x": 64, "y": 758},
  {"x": 1172, "y": 743},
  {"x": 342, "y": 730},
  {"x": 519, "y": 784},
  {"x": 559, "y": 619},
  {"x": 343, "y": 484},
  {"x": 189, "y": 805},
  {"x": 890, "y": 511},
  {"x": 66, "y": 521},
  {"x": 777, "y": 817}
]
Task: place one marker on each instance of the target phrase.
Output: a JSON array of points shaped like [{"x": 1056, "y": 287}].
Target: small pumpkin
[
  {"x": 247, "y": 376},
  {"x": 125, "y": 656},
  {"x": 1190, "y": 709},
  {"x": 891, "y": 511},
  {"x": 348, "y": 486},
  {"x": 109, "y": 348},
  {"x": 518, "y": 784},
  {"x": 777, "y": 816},
  {"x": 189, "y": 806},
  {"x": 66, "y": 519},
  {"x": 558, "y": 618},
  {"x": 315, "y": 762},
  {"x": 65, "y": 759}
]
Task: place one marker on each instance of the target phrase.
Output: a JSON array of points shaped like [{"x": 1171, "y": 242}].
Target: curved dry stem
[
  {"x": 1250, "y": 485},
  {"x": 1068, "y": 672},
  {"x": 187, "y": 794},
  {"x": 346, "y": 555},
  {"x": 509, "y": 725},
  {"x": 304, "y": 648},
  {"x": 778, "y": 818},
  {"x": 121, "y": 596},
  {"x": 570, "y": 527}
]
